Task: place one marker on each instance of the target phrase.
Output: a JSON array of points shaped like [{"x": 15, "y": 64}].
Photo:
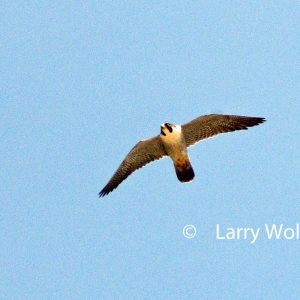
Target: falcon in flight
[{"x": 173, "y": 141}]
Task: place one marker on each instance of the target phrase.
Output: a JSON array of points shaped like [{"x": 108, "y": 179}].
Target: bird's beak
[{"x": 162, "y": 127}]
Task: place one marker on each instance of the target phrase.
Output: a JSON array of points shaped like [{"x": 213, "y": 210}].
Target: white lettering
[
  {"x": 218, "y": 233},
  {"x": 238, "y": 233},
  {"x": 273, "y": 231}
]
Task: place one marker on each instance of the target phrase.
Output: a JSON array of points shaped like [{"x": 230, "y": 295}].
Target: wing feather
[
  {"x": 209, "y": 125},
  {"x": 141, "y": 154}
]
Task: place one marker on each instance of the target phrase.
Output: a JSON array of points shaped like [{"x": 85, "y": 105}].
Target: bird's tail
[{"x": 184, "y": 170}]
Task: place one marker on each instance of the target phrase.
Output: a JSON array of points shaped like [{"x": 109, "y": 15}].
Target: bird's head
[{"x": 169, "y": 129}]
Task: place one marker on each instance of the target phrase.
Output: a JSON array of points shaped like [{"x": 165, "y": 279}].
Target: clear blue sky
[{"x": 81, "y": 83}]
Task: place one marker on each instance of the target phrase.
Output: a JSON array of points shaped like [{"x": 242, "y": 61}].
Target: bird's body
[
  {"x": 173, "y": 141},
  {"x": 175, "y": 146}
]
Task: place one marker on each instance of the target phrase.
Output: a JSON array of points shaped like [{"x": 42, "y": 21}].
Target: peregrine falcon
[{"x": 173, "y": 141}]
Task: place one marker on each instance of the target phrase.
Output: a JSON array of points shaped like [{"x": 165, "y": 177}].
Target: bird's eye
[{"x": 169, "y": 127}]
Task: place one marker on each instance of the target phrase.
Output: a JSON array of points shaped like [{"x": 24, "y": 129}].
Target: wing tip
[
  {"x": 254, "y": 121},
  {"x": 103, "y": 193},
  {"x": 261, "y": 120}
]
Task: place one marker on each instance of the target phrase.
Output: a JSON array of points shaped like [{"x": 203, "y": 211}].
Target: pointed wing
[
  {"x": 210, "y": 125},
  {"x": 141, "y": 154}
]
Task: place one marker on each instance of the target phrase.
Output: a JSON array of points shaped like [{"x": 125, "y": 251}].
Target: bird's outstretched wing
[
  {"x": 141, "y": 154},
  {"x": 210, "y": 125}
]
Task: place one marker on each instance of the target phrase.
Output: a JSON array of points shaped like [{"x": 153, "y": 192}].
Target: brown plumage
[
  {"x": 173, "y": 141},
  {"x": 209, "y": 125},
  {"x": 184, "y": 170}
]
